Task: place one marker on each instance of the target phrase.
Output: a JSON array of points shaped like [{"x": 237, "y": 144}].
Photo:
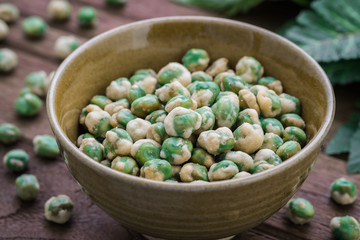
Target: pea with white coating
[
  {"x": 256, "y": 88},
  {"x": 27, "y": 187},
  {"x": 65, "y": 45},
  {"x": 118, "y": 89},
  {"x": 174, "y": 71},
  {"x": 135, "y": 92},
  {"x": 156, "y": 116},
  {"x": 192, "y": 171},
  {"x": 46, "y": 146},
  {"x": 248, "y": 138},
  {"x": 8, "y": 60},
  {"x": 37, "y": 82},
  {"x": 146, "y": 71},
  {"x": 92, "y": 148},
  {"x": 182, "y": 122},
  {"x": 299, "y": 211},
  {"x": 269, "y": 103},
  {"x": 157, "y": 132},
  {"x": 345, "y": 228},
  {"x": 220, "y": 76},
  {"x": 226, "y": 110},
  {"x": 59, "y": 10},
  {"x": 121, "y": 119},
  {"x": 176, "y": 150},
  {"x": 207, "y": 119},
  {"x": 117, "y": 143},
  {"x": 243, "y": 161},
  {"x": 271, "y": 83},
  {"x": 137, "y": 128},
  {"x": 170, "y": 90},
  {"x": 156, "y": 169},
  {"x": 86, "y": 110},
  {"x": 288, "y": 149},
  {"x": 222, "y": 170},
  {"x": 250, "y": 69},
  {"x": 292, "y": 119},
  {"x": 4, "y": 30},
  {"x": 100, "y": 100},
  {"x": 58, "y": 209},
  {"x": 204, "y": 93},
  {"x": 28, "y": 104},
  {"x": 82, "y": 137},
  {"x": 202, "y": 157},
  {"x": 143, "y": 106},
  {"x": 241, "y": 174},
  {"x": 248, "y": 115},
  {"x": 115, "y": 107},
  {"x": 343, "y": 191},
  {"x": 267, "y": 155},
  {"x": 200, "y": 76},
  {"x": 106, "y": 163},
  {"x": 216, "y": 141},
  {"x": 34, "y": 26},
  {"x": 98, "y": 123},
  {"x": 144, "y": 150},
  {"x": 148, "y": 82},
  {"x": 196, "y": 59},
  {"x": 9, "y": 133},
  {"x": 9, "y": 12},
  {"x": 272, "y": 141},
  {"x": 247, "y": 100},
  {"x": 218, "y": 66},
  {"x": 295, "y": 134},
  {"x": 261, "y": 166},
  {"x": 87, "y": 17},
  {"x": 289, "y": 104},
  {"x": 16, "y": 160},
  {"x": 272, "y": 125},
  {"x": 126, "y": 165},
  {"x": 233, "y": 84},
  {"x": 180, "y": 101}
]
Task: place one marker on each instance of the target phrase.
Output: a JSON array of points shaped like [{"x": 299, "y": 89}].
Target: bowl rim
[{"x": 69, "y": 146}]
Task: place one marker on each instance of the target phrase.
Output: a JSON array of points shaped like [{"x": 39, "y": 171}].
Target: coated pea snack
[
  {"x": 58, "y": 209},
  {"x": 343, "y": 191},
  {"x": 59, "y": 10},
  {"x": 27, "y": 187},
  {"x": 16, "y": 160},
  {"x": 345, "y": 228},
  {"x": 87, "y": 17},
  {"x": 299, "y": 210},
  {"x": 196, "y": 121},
  {"x": 65, "y": 45},
  {"x": 46, "y": 146},
  {"x": 34, "y": 26},
  {"x": 4, "y": 30},
  {"x": 28, "y": 104},
  {"x": 8, "y": 60},
  {"x": 38, "y": 83},
  {"x": 8, "y": 12},
  {"x": 9, "y": 133}
]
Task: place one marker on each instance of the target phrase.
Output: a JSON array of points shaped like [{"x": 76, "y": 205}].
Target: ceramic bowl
[{"x": 187, "y": 211}]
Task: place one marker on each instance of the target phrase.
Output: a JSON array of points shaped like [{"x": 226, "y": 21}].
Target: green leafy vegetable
[{"x": 343, "y": 72}]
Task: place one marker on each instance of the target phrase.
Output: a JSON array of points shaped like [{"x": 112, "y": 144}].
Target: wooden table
[{"x": 19, "y": 220}]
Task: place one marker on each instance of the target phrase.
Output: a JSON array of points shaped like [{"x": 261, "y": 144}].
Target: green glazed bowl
[{"x": 187, "y": 211}]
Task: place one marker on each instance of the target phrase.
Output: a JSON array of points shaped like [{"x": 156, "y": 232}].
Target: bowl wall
[{"x": 183, "y": 211}]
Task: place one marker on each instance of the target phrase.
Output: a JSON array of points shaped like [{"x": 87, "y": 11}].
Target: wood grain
[{"x": 19, "y": 220}]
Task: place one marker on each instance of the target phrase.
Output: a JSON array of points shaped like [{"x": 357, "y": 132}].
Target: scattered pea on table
[
  {"x": 343, "y": 191},
  {"x": 65, "y": 45},
  {"x": 8, "y": 60},
  {"x": 46, "y": 146},
  {"x": 4, "y": 30},
  {"x": 34, "y": 26},
  {"x": 58, "y": 209},
  {"x": 27, "y": 187},
  {"x": 59, "y": 10},
  {"x": 345, "y": 228},
  {"x": 9, "y": 12},
  {"x": 9, "y": 133},
  {"x": 299, "y": 210},
  {"x": 16, "y": 160},
  {"x": 87, "y": 17}
]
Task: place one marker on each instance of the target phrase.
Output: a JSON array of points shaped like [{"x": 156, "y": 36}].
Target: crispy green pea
[
  {"x": 180, "y": 101},
  {"x": 202, "y": 157},
  {"x": 272, "y": 141},
  {"x": 156, "y": 116},
  {"x": 135, "y": 92},
  {"x": 247, "y": 99},
  {"x": 216, "y": 141},
  {"x": 243, "y": 161},
  {"x": 272, "y": 125},
  {"x": 143, "y": 106},
  {"x": 292, "y": 119},
  {"x": 174, "y": 71},
  {"x": 9, "y": 133},
  {"x": 256, "y": 88},
  {"x": 170, "y": 90},
  {"x": 260, "y": 167},
  {"x": 100, "y": 100},
  {"x": 218, "y": 66},
  {"x": 269, "y": 103},
  {"x": 249, "y": 68},
  {"x": 37, "y": 83},
  {"x": 98, "y": 123},
  {"x": 146, "y": 71},
  {"x": 299, "y": 210},
  {"x": 196, "y": 59},
  {"x": 145, "y": 150},
  {"x": 267, "y": 155},
  {"x": 58, "y": 209},
  {"x": 157, "y": 132},
  {"x": 192, "y": 171},
  {"x": 289, "y": 104},
  {"x": 9, "y": 12},
  {"x": 85, "y": 111},
  {"x": 34, "y": 26},
  {"x": 156, "y": 169},
  {"x": 8, "y": 60},
  {"x": 126, "y": 165},
  {"x": 46, "y": 146},
  {"x": 117, "y": 142},
  {"x": 295, "y": 134},
  {"x": 121, "y": 119},
  {"x": 59, "y": 10},
  {"x": 87, "y": 17},
  {"x": 248, "y": 115},
  {"x": 271, "y": 83},
  {"x": 200, "y": 76},
  {"x": 241, "y": 175},
  {"x": 288, "y": 149},
  {"x": 119, "y": 105},
  {"x": 28, "y": 104},
  {"x": 138, "y": 128},
  {"x": 226, "y": 110},
  {"x": 16, "y": 160},
  {"x": 27, "y": 187},
  {"x": 182, "y": 122},
  {"x": 65, "y": 45},
  {"x": 106, "y": 162},
  {"x": 118, "y": 89},
  {"x": 92, "y": 148},
  {"x": 176, "y": 150},
  {"x": 204, "y": 93},
  {"x": 343, "y": 191},
  {"x": 248, "y": 138},
  {"x": 207, "y": 119},
  {"x": 345, "y": 228},
  {"x": 222, "y": 170},
  {"x": 233, "y": 84},
  {"x": 148, "y": 82}
]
